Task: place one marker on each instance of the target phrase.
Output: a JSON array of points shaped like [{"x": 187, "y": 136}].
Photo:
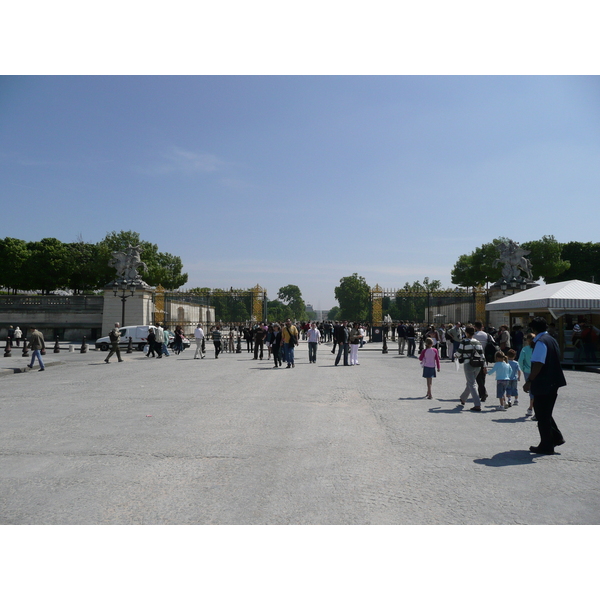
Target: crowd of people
[{"x": 530, "y": 355}]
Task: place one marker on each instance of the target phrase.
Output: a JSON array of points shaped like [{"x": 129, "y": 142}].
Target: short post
[
  {"x": 83, "y": 348},
  {"x": 130, "y": 346},
  {"x": 56, "y": 348},
  {"x": 7, "y": 348},
  {"x": 238, "y": 350},
  {"x": 385, "y": 348},
  {"x": 25, "y": 353}
]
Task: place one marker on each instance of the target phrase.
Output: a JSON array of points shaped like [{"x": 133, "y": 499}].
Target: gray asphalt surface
[{"x": 234, "y": 441}]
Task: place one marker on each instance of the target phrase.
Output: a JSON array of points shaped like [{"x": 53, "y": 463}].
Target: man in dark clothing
[
  {"x": 341, "y": 334},
  {"x": 259, "y": 341},
  {"x": 216, "y": 338},
  {"x": 401, "y": 337},
  {"x": 410, "y": 336},
  {"x": 544, "y": 380}
]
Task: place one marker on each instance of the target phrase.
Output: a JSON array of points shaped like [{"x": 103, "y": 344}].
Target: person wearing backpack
[
  {"x": 470, "y": 355},
  {"x": 486, "y": 340},
  {"x": 114, "y": 336}
]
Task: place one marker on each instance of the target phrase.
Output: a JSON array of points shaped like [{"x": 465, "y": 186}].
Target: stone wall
[{"x": 69, "y": 317}]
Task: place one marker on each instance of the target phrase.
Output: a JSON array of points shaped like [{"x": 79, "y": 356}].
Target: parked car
[{"x": 137, "y": 333}]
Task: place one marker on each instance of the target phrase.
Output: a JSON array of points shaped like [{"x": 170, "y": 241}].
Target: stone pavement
[{"x": 234, "y": 441}]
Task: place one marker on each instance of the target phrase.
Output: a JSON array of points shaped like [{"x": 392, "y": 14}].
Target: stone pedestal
[{"x": 139, "y": 309}]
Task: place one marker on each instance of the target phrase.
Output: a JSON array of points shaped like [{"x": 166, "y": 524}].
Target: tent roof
[{"x": 573, "y": 297}]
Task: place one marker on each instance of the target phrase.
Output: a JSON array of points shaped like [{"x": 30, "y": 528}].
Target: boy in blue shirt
[{"x": 513, "y": 390}]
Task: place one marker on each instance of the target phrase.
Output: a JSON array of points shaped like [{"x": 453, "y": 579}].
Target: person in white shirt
[
  {"x": 199, "y": 337},
  {"x": 482, "y": 337},
  {"x": 314, "y": 338}
]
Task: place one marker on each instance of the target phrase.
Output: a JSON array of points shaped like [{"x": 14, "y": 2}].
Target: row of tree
[
  {"x": 354, "y": 298},
  {"x": 551, "y": 261},
  {"x": 49, "y": 264},
  {"x": 235, "y": 305}
]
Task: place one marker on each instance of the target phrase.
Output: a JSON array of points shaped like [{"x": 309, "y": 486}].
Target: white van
[{"x": 137, "y": 333}]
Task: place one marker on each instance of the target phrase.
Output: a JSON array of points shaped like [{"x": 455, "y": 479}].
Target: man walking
[
  {"x": 259, "y": 341},
  {"x": 314, "y": 338},
  {"x": 470, "y": 354},
  {"x": 216, "y": 338},
  {"x": 114, "y": 336},
  {"x": 37, "y": 344},
  {"x": 289, "y": 335},
  {"x": 158, "y": 339},
  {"x": 199, "y": 337},
  {"x": 410, "y": 338},
  {"x": 482, "y": 337},
  {"x": 401, "y": 337},
  {"x": 342, "y": 337},
  {"x": 544, "y": 380}
]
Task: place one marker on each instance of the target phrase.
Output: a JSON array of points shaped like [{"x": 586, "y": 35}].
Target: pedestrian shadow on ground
[
  {"x": 517, "y": 420},
  {"x": 507, "y": 459},
  {"x": 438, "y": 411},
  {"x": 415, "y": 398}
]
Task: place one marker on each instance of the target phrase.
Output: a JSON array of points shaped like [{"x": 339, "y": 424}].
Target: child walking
[
  {"x": 525, "y": 364},
  {"x": 515, "y": 376},
  {"x": 429, "y": 359},
  {"x": 503, "y": 372}
]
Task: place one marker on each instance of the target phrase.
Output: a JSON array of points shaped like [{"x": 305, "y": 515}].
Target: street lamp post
[{"x": 127, "y": 290}]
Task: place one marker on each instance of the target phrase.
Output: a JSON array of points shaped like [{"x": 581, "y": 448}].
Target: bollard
[
  {"x": 385, "y": 348},
  {"x": 71, "y": 348},
  {"x": 56, "y": 348},
  {"x": 7, "y": 348},
  {"x": 238, "y": 350},
  {"x": 25, "y": 353},
  {"x": 130, "y": 346},
  {"x": 83, "y": 348}
]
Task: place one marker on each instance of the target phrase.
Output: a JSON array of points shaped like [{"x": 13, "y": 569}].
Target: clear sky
[{"x": 302, "y": 180}]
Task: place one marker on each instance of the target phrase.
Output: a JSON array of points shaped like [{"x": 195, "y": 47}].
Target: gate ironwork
[
  {"x": 428, "y": 307},
  {"x": 209, "y": 307}
]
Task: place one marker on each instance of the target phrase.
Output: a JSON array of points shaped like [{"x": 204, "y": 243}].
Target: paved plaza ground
[{"x": 234, "y": 441}]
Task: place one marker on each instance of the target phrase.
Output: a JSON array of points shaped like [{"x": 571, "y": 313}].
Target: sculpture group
[{"x": 127, "y": 264}]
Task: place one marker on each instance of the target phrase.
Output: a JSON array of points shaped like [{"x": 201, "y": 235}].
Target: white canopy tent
[{"x": 566, "y": 297}]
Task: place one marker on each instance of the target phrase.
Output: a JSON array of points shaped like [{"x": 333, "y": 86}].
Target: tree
[
  {"x": 584, "y": 261},
  {"x": 47, "y": 266},
  {"x": 475, "y": 269},
  {"x": 545, "y": 257},
  {"x": 278, "y": 312},
  {"x": 167, "y": 272},
  {"x": 354, "y": 297},
  {"x": 332, "y": 315},
  {"x": 13, "y": 256},
  {"x": 83, "y": 267},
  {"x": 292, "y": 297},
  {"x": 163, "y": 269}
]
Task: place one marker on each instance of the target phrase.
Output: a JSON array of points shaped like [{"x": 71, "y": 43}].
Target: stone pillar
[{"x": 139, "y": 309}]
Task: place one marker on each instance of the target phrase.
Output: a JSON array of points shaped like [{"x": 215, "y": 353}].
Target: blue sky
[{"x": 302, "y": 180}]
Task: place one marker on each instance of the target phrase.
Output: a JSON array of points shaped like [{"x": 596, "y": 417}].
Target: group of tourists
[
  {"x": 278, "y": 342},
  {"x": 537, "y": 364}
]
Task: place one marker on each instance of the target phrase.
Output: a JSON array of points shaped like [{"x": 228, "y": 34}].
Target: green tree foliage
[
  {"x": 292, "y": 297},
  {"x": 546, "y": 260},
  {"x": 163, "y": 269},
  {"x": 47, "y": 266},
  {"x": 406, "y": 306},
  {"x": 584, "y": 261},
  {"x": 477, "y": 268},
  {"x": 83, "y": 267},
  {"x": 13, "y": 257},
  {"x": 354, "y": 297},
  {"x": 332, "y": 315},
  {"x": 278, "y": 312},
  {"x": 231, "y": 306}
]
